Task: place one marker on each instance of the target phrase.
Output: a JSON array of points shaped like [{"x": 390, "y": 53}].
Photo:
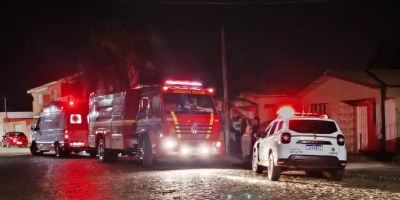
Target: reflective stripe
[
  {"x": 176, "y": 124},
  {"x": 174, "y": 118},
  {"x": 210, "y": 127},
  {"x": 116, "y": 122}
]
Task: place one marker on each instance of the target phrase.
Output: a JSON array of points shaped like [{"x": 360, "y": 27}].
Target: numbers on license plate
[{"x": 314, "y": 147}]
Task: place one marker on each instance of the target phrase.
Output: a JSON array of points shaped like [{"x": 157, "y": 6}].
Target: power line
[{"x": 241, "y": 3}]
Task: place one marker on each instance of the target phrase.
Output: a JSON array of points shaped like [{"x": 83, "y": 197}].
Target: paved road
[{"x": 78, "y": 177}]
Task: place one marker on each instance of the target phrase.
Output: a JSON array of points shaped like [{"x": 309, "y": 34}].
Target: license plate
[
  {"x": 314, "y": 147},
  {"x": 19, "y": 142}
]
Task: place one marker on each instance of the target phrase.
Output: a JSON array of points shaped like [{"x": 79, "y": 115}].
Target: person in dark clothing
[
  {"x": 237, "y": 130},
  {"x": 255, "y": 128},
  {"x": 255, "y": 133}
]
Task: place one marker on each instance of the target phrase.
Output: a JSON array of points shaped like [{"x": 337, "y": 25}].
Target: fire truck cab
[
  {"x": 178, "y": 119},
  {"x": 62, "y": 128}
]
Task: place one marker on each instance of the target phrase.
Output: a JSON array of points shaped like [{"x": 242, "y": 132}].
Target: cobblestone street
[{"x": 80, "y": 177}]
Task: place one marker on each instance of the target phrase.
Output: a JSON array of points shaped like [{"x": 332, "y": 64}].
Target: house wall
[
  {"x": 335, "y": 93},
  {"x": 267, "y": 105},
  {"x": 393, "y": 125},
  {"x": 42, "y": 96}
]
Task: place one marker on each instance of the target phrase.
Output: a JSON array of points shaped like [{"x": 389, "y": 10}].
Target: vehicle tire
[
  {"x": 34, "y": 150},
  {"x": 146, "y": 153},
  {"x": 57, "y": 150},
  {"x": 274, "y": 172},
  {"x": 254, "y": 164},
  {"x": 105, "y": 155},
  {"x": 336, "y": 175}
]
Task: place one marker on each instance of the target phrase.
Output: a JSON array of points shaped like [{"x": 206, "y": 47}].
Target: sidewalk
[{"x": 14, "y": 151}]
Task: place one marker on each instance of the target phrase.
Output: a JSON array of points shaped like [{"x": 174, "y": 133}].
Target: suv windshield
[
  {"x": 312, "y": 126},
  {"x": 188, "y": 103}
]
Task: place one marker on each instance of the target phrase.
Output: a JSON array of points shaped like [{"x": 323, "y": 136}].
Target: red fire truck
[
  {"x": 62, "y": 128},
  {"x": 177, "y": 119}
]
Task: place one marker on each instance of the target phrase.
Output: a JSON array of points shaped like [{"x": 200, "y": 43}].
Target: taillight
[
  {"x": 340, "y": 140},
  {"x": 66, "y": 136},
  {"x": 286, "y": 138}
]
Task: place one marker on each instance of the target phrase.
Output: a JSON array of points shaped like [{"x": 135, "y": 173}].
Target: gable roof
[{"x": 360, "y": 77}]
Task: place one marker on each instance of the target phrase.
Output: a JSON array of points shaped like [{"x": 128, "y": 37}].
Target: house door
[{"x": 362, "y": 127}]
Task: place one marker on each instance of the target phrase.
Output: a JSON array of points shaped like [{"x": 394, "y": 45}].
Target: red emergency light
[
  {"x": 185, "y": 83},
  {"x": 286, "y": 112},
  {"x": 71, "y": 103}
]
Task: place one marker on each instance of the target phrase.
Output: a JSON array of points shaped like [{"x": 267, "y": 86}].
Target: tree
[{"x": 119, "y": 57}]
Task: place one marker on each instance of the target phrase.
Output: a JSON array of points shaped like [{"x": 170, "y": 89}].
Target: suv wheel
[
  {"x": 34, "y": 150},
  {"x": 274, "y": 172},
  {"x": 254, "y": 163}
]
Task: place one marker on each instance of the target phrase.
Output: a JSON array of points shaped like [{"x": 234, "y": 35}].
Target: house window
[{"x": 318, "y": 108}]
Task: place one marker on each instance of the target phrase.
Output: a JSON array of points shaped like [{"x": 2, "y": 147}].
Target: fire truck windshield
[{"x": 188, "y": 103}]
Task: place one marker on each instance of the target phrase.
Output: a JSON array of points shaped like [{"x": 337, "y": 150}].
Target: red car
[{"x": 14, "y": 139}]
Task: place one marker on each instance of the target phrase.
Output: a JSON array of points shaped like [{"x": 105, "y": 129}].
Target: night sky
[{"x": 271, "y": 41}]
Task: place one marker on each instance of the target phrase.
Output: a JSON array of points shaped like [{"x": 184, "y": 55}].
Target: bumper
[
  {"x": 312, "y": 162},
  {"x": 18, "y": 143},
  {"x": 74, "y": 146}
]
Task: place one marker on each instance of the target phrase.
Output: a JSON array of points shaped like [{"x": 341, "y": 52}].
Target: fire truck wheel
[
  {"x": 105, "y": 155},
  {"x": 34, "y": 150},
  {"x": 147, "y": 154}
]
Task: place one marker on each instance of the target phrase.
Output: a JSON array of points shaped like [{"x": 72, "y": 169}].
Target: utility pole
[
  {"x": 5, "y": 111},
  {"x": 225, "y": 86},
  {"x": 5, "y": 107}
]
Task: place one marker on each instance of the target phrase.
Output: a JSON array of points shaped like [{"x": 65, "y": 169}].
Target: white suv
[{"x": 314, "y": 144}]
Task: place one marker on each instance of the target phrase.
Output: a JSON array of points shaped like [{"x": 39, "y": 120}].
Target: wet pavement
[{"x": 79, "y": 177}]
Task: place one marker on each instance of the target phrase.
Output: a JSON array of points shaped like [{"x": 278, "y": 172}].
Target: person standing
[
  {"x": 237, "y": 130},
  {"x": 255, "y": 132},
  {"x": 246, "y": 140}
]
